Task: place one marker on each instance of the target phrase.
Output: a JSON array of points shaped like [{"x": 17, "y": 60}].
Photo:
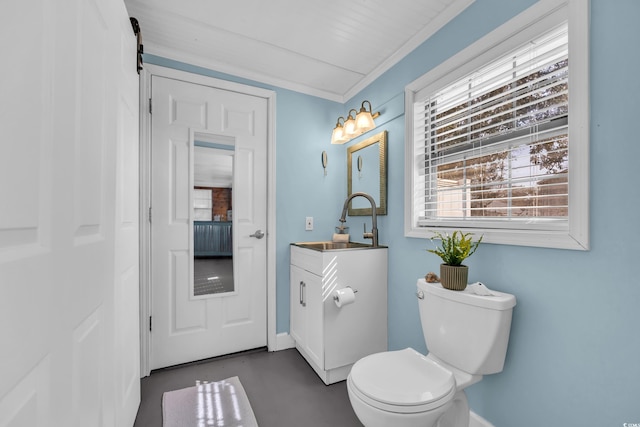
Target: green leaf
[{"x": 455, "y": 248}]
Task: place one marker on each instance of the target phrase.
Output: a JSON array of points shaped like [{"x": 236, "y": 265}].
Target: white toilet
[{"x": 467, "y": 337}]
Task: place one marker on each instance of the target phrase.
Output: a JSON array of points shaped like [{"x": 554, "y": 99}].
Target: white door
[
  {"x": 68, "y": 215},
  {"x": 187, "y": 327}
]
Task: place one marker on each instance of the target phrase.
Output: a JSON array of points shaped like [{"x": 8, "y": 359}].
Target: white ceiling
[
  {"x": 212, "y": 168},
  {"x": 326, "y": 48}
]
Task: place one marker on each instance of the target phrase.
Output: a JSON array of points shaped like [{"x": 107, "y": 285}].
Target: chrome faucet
[{"x": 374, "y": 220}]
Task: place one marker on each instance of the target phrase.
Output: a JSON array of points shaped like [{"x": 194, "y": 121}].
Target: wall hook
[{"x": 324, "y": 162}]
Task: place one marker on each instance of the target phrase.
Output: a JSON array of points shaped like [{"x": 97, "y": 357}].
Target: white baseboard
[
  {"x": 284, "y": 341},
  {"x": 476, "y": 420}
]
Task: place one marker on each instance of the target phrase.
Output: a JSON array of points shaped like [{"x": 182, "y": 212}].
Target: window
[{"x": 496, "y": 143}]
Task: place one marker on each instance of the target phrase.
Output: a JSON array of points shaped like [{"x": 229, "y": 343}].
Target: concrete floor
[
  {"x": 212, "y": 275},
  {"x": 283, "y": 389}
]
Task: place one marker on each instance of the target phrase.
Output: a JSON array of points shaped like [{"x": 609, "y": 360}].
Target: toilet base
[{"x": 458, "y": 414}]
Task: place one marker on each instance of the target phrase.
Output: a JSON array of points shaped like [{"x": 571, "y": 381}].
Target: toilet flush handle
[{"x": 420, "y": 295}]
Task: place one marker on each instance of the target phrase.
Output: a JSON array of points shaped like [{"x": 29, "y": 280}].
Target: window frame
[{"x": 526, "y": 26}]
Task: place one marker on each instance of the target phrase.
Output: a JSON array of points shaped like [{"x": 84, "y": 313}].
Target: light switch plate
[{"x": 308, "y": 223}]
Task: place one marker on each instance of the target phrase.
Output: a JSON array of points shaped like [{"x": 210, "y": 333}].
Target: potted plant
[{"x": 454, "y": 249}]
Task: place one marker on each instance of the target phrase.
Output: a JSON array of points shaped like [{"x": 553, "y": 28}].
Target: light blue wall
[
  {"x": 574, "y": 353},
  {"x": 573, "y": 357}
]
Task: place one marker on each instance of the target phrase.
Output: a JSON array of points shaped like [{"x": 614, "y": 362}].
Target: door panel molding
[{"x": 145, "y": 194}]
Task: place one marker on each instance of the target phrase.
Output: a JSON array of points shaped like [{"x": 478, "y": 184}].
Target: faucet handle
[{"x": 367, "y": 235}]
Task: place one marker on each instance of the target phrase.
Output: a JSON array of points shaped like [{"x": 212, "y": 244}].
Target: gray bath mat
[{"x": 220, "y": 403}]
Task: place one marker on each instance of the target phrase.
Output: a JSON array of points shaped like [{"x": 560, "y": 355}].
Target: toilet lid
[{"x": 403, "y": 378}]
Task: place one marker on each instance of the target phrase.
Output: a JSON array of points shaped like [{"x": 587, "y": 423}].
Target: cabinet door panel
[{"x": 306, "y": 325}]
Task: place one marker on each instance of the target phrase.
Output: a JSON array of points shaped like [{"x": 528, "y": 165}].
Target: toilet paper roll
[
  {"x": 344, "y": 296},
  {"x": 340, "y": 238}
]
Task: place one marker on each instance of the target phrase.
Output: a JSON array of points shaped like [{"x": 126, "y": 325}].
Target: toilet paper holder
[{"x": 355, "y": 291}]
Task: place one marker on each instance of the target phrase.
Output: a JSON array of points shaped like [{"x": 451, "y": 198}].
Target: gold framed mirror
[{"x": 367, "y": 173}]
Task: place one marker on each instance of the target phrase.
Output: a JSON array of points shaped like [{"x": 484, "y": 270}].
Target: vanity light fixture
[
  {"x": 350, "y": 130},
  {"x": 364, "y": 118},
  {"x": 354, "y": 125},
  {"x": 338, "y": 136}
]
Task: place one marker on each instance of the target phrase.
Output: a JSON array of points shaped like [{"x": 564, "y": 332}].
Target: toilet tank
[{"x": 467, "y": 331}]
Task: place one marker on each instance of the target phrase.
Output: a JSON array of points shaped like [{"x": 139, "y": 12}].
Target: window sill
[{"x": 534, "y": 238}]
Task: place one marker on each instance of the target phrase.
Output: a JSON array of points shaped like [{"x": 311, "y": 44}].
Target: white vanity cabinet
[{"x": 330, "y": 338}]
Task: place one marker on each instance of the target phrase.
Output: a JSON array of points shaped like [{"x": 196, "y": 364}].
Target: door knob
[{"x": 259, "y": 234}]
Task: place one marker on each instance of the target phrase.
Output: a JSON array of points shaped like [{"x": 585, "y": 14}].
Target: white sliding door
[{"x": 69, "y": 343}]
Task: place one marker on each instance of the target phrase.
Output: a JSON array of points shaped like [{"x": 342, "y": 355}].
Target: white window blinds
[{"x": 493, "y": 147}]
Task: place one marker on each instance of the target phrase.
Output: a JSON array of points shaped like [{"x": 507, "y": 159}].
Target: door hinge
[
  {"x": 150, "y": 324},
  {"x": 149, "y": 214},
  {"x": 150, "y": 107}
]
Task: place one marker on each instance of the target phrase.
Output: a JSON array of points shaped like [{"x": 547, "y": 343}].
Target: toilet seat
[{"x": 402, "y": 381}]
